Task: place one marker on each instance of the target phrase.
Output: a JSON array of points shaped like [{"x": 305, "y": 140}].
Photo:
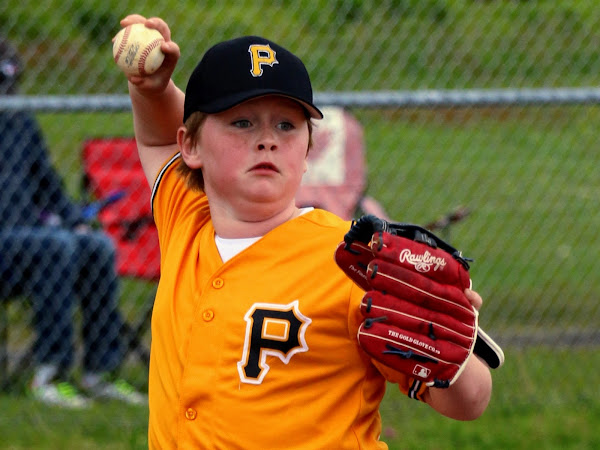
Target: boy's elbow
[
  {"x": 475, "y": 407},
  {"x": 475, "y": 401}
]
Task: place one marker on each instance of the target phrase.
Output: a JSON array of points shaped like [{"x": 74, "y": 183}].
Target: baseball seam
[
  {"x": 123, "y": 43},
  {"x": 142, "y": 61}
]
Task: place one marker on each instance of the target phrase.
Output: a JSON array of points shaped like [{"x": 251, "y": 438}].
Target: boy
[{"x": 254, "y": 327}]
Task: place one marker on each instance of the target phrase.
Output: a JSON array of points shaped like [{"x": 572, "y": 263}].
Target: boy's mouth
[{"x": 265, "y": 166}]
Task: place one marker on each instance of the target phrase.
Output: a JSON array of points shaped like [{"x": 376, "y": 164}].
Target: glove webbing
[{"x": 363, "y": 229}]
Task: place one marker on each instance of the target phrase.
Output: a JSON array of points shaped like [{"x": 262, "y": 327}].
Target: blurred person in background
[{"x": 49, "y": 255}]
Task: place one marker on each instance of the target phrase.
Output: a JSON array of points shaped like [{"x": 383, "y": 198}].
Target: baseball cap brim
[{"x": 224, "y": 103}]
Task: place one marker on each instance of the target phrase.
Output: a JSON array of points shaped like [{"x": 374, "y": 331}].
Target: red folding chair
[{"x": 114, "y": 177}]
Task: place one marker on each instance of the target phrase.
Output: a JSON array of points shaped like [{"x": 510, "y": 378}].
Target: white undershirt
[{"x": 228, "y": 248}]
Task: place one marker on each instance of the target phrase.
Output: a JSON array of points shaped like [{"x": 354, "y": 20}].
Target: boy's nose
[
  {"x": 267, "y": 146},
  {"x": 267, "y": 141}
]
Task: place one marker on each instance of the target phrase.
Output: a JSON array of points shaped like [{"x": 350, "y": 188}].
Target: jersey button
[
  {"x": 218, "y": 283},
  {"x": 190, "y": 414},
  {"x": 208, "y": 315}
]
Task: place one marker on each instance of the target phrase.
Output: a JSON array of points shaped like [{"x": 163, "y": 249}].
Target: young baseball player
[{"x": 254, "y": 328}]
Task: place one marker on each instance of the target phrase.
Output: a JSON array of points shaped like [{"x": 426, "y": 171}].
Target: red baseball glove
[{"x": 418, "y": 320}]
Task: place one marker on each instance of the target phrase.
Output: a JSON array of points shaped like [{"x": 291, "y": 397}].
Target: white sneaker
[
  {"x": 61, "y": 394},
  {"x": 119, "y": 390}
]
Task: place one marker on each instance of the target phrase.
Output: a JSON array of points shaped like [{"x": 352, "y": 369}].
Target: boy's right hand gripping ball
[
  {"x": 418, "y": 320},
  {"x": 136, "y": 50}
]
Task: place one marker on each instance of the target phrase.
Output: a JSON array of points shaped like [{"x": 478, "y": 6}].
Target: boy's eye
[
  {"x": 243, "y": 123},
  {"x": 285, "y": 126}
]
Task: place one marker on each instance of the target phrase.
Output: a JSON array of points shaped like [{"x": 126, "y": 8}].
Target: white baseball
[{"x": 136, "y": 50}]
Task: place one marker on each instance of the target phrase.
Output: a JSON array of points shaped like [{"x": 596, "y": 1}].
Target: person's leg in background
[
  {"x": 98, "y": 291},
  {"x": 38, "y": 263}
]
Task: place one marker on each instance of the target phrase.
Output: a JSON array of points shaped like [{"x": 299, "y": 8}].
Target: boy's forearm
[
  {"x": 157, "y": 116},
  {"x": 468, "y": 397}
]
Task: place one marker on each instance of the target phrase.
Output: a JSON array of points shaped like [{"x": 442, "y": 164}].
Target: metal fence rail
[{"x": 361, "y": 99}]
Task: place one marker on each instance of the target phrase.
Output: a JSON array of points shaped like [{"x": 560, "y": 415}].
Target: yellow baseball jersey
[{"x": 259, "y": 352}]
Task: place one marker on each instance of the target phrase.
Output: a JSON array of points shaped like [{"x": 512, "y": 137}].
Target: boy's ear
[{"x": 189, "y": 153}]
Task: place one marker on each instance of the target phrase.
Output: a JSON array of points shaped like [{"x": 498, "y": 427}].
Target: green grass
[
  {"x": 536, "y": 404},
  {"x": 24, "y": 424},
  {"x": 543, "y": 398},
  {"x": 528, "y": 175}
]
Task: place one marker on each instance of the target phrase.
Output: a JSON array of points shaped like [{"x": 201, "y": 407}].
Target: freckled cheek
[
  {"x": 226, "y": 168},
  {"x": 222, "y": 165},
  {"x": 225, "y": 152}
]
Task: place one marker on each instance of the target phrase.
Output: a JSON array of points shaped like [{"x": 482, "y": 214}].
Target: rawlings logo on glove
[
  {"x": 422, "y": 263},
  {"x": 418, "y": 320}
]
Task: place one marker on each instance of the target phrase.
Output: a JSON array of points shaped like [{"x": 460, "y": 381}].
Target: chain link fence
[{"x": 485, "y": 107}]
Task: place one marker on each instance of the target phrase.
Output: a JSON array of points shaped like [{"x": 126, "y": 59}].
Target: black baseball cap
[{"x": 240, "y": 69}]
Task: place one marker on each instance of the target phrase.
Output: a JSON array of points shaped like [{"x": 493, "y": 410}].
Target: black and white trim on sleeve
[{"x": 159, "y": 177}]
